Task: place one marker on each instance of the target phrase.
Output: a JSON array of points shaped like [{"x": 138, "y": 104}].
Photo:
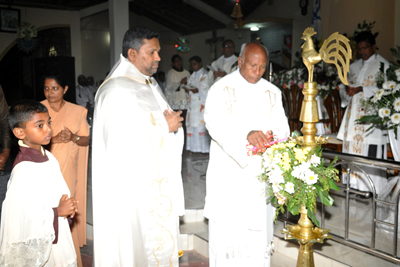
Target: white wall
[
  {"x": 46, "y": 18},
  {"x": 286, "y": 9}
]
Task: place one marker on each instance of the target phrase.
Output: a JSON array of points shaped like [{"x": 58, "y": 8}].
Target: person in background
[
  {"x": 198, "y": 139},
  {"x": 84, "y": 97},
  {"x": 69, "y": 145},
  {"x": 90, "y": 85},
  {"x": 224, "y": 65},
  {"x": 356, "y": 140}
]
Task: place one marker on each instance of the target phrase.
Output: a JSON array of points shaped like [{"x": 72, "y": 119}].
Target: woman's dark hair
[
  {"x": 22, "y": 112},
  {"x": 133, "y": 38},
  {"x": 58, "y": 77}
]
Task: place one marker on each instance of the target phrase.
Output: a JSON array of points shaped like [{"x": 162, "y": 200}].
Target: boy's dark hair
[
  {"x": 365, "y": 36},
  {"x": 174, "y": 57},
  {"x": 58, "y": 77},
  {"x": 196, "y": 58},
  {"x": 227, "y": 41},
  {"x": 133, "y": 38},
  {"x": 22, "y": 112}
]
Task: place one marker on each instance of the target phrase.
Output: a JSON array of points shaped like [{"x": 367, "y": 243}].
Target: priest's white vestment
[
  {"x": 27, "y": 217},
  {"x": 356, "y": 140},
  {"x": 240, "y": 221},
  {"x": 228, "y": 65},
  {"x": 137, "y": 182},
  {"x": 198, "y": 139},
  {"x": 176, "y": 99}
]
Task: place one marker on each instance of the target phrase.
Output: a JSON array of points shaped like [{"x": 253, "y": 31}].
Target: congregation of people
[{"x": 141, "y": 122}]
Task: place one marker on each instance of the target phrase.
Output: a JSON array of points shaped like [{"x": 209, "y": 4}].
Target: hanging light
[
  {"x": 237, "y": 13},
  {"x": 254, "y": 29}
]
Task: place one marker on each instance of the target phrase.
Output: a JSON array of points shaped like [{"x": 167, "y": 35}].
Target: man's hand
[
  {"x": 219, "y": 73},
  {"x": 184, "y": 80},
  {"x": 257, "y": 139},
  {"x": 66, "y": 207},
  {"x": 174, "y": 120},
  {"x": 351, "y": 91},
  {"x": 4, "y": 157}
]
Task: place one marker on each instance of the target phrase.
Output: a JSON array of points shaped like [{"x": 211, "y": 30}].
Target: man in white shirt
[
  {"x": 356, "y": 140},
  {"x": 83, "y": 95},
  {"x": 241, "y": 108},
  {"x": 224, "y": 65}
]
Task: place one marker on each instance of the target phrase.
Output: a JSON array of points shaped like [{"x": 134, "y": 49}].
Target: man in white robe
[
  {"x": 198, "y": 139},
  {"x": 240, "y": 108},
  {"x": 137, "y": 147},
  {"x": 224, "y": 65},
  {"x": 356, "y": 140}
]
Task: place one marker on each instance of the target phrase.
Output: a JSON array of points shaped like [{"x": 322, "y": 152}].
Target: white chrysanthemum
[
  {"x": 298, "y": 171},
  {"x": 384, "y": 112},
  {"x": 379, "y": 94},
  {"x": 389, "y": 85},
  {"x": 374, "y": 99},
  {"x": 396, "y": 88},
  {"x": 276, "y": 175},
  {"x": 289, "y": 187},
  {"x": 276, "y": 187},
  {"x": 395, "y": 118},
  {"x": 396, "y": 104},
  {"x": 397, "y": 72},
  {"x": 315, "y": 160},
  {"x": 319, "y": 86},
  {"x": 310, "y": 177}
]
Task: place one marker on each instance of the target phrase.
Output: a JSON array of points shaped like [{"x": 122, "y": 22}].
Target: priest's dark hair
[
  {"x": 22, "y": 112},
  {"x": 365, "y": 36},
  {"x": 196, "y": 58},
  {"x": 227, "y": 41},
  {"x": 174, "y": 57},
  {"x": 133, "y": 38}
]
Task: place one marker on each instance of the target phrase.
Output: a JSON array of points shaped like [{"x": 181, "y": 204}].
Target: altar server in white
[
  {"x": 198, "y": 139},
  {"x": 356, "y": 140},
  {"x": 240, "y": 108},
  {"x": 137, "y": 147},
  {"x": 34, "y": 228},
  {"x": 224, "y": 65}
]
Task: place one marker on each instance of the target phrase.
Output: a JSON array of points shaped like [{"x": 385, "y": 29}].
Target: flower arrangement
[
  {"x": 296, "y": 176},
  {"x": 383, "y": 109},
  {"x": 326, "y": 80}
]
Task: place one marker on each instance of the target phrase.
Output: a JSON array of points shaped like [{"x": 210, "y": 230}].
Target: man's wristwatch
[{"x": 77, "y": 139}]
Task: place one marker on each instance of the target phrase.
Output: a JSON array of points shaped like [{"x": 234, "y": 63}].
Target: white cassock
[
  {"x": 240, "y": 221},
  {"x": 176, "y": 99},
  {"x": 27, "y": 231},
  {"x": 355, "y": 138},
  {"x": 228, "y": 65},
  {"x": 198, "y": 139},
  {"x": 137, "y": 182}
]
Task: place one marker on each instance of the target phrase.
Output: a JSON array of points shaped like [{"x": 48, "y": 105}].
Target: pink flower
[{"x": 281, "y": 199}]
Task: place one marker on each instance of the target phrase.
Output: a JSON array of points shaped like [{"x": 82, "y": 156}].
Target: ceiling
[{"x": 182, "y": 16}]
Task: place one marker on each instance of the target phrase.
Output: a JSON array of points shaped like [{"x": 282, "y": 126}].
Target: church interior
[{"x": 84, "y": 37}]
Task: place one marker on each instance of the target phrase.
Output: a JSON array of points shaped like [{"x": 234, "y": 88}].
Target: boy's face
[
  {"x": 37, "y": 131},
  {"x": 195, "y": 65}
]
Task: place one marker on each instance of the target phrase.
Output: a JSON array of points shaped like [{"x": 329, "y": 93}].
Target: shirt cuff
[{"x": 55, "y": 225}]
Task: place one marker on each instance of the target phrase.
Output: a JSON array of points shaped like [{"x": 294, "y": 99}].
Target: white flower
[
  {"x": 396, "y": 104},
  {"x": 289, "y": 187},
  {"x": 397, "y": 72},
  {"x": 276, "y": 187},
  {"x": 389, "y": 85},
  {"x": 395, "y": 118},
  {"x": 315, "y": 160},
  {"x": 397, "y": 88},
  {"x": 319, "y": 86},
  {"x": 276, "y": 176},
  {"x": 310, "y": 177},
  {"x": 384, "y": 112},
  {"x": 298, "y": 171},
  {"x": 379, "y": 94}
]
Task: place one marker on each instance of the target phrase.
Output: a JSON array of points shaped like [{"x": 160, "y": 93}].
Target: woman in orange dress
[{"x": 70, "y": 145}]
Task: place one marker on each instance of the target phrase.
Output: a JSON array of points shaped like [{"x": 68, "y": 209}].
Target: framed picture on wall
[{"x": 9, "y": 19}]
